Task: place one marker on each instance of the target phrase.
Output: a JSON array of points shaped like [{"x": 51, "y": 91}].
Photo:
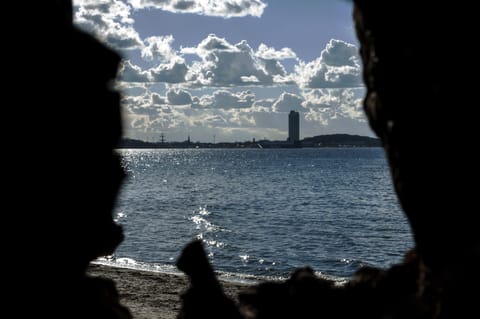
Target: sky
[{"x": 232, "y": 69}]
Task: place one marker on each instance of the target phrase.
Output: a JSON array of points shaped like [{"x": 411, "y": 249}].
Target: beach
[{"x": 151, "y": 295}]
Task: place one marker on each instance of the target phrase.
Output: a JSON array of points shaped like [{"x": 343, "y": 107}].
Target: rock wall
[
  {"x": 63, "y": 174},
  {"x": 413, "y": 70}
]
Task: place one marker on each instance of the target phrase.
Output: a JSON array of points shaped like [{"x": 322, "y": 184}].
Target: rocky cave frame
[{"x": 412, "y": 82}]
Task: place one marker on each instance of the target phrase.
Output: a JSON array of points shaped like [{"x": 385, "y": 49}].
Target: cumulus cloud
[
  {"x": 238, "y": 116},
  {"x": 223, "y": 99},
  {"x": 215, "y": 8},
  {"x": 139, "y": 123},
  {"x": 224, "y": 64},
  {"x": 249, "y": 79},
  {"x": 220, "y": 65},
  {"x": 270, "y": 60},
  {"x": 269, "y": 53},
  {"x": 109, "y": 21},
  {"x": 169, "y": 73},
  {"x": 274, "y": 67},
  {"x": 339, "y": 109},
  {"x": 129, "y": 72},
  {"x": 222, "y": 118},
  {"x": 160, "y": 49},
  {"x": 151, "y": 113},
  {"x": 226, "y": 100},
  {"x": 179, "y": 97},
  {"x": 337, "y": 67},
  {"x": 211, "y": 43},
  {"x": 288, "y": 102},
  {"x": 158, "y": 100},
  {"x": 340, "y": 53},
  {"x": 214, "y": 120},
  {"x": 164, "y": 73},
  {"x": 264, "y": 104}
]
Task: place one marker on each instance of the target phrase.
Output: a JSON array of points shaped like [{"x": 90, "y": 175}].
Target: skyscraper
[{"x": 293, "y": 127}]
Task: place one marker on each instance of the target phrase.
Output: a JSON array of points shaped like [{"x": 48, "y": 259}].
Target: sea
[{"x": 261, "y": 213}]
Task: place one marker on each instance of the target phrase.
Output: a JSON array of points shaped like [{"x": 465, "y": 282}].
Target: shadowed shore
[{"x": 149, "y": 294}]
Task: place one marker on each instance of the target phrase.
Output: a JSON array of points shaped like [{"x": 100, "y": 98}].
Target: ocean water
[{"x": 261, "y": 212}]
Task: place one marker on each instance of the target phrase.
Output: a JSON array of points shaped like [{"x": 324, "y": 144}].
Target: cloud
[
  {"x": 178, "y": 97},
  {"x": 215, "y": 8},
  {"x": 226, "y": 100},
  {"x": 249, "y": 79},
  {"x": 337, "y": 67},
  {"x": 288, "y": 102},
  {"x": 214, "y": 120},
  {"x": 340, "y": 53},
  {"x": 270, "y": 60},
  {"x": 109, "y": 21},
  {"x": 149, "y": 104},
  {"x": 129, "y": 72},
  {"x": 223, "y": 99},
  {"x": 347, "y": 102},
  {"x": 157, "y": 99},
  {"x": 269, "y": 53},
  {"x": 222, "y": 118},
  {"x": 160, "y": 49},
  {"x": 211, "y": 43},
  {"x": 274, "y": 67},
  {"x": 264, "y": 104},
  {"x": 169, "y": 73},
  {"x": 139, "y": 123},
  {"x": 217, "y": 66},
  {"x": 238, "y": 116},
  {"x": 164, "y": 73},
  {"x": 224, "y": 64},
  {"x": 150, "y": 113}
]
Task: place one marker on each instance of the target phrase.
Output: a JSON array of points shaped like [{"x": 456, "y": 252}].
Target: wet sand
[{"x": 151, "y": 295}]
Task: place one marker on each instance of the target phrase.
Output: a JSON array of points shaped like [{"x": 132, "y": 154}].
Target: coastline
[{"x": 152, "y": 294}]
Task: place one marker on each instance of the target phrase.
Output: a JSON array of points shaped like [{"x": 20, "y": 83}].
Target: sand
[{"x": 151, "y": 295}]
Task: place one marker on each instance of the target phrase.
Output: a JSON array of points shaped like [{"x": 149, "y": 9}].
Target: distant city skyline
[{"x": 232, "y": 69}]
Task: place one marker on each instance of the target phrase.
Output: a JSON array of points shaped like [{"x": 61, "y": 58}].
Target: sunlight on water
[
  {"x": 203, "y": 224},
  {"x": 262, "y": 212},
  {"x": 206, "y": 228},
  {"x": 214, "y": 243},
  {"x": 244, "y": 258},
  {"x": 119, "y": 217},
  {"x": 203, "y": 211}
]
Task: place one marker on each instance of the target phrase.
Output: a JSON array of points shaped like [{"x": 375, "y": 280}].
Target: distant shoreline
[{"x": 321, "y": 141}]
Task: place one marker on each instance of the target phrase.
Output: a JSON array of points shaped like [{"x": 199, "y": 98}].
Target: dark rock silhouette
[
  {"x": 372, "y": 293},
  {"x": 205, "y": 297},
  {"x": 415, "y": 91},
  {"x": 63, "y": 182},
  {"x": 64, "y": 172}
]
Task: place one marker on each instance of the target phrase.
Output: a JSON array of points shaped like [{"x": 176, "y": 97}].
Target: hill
[{"x": 341, "y": 140}]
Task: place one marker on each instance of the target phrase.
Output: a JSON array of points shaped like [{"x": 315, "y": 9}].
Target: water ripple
[{"x": 263, "y": 212}]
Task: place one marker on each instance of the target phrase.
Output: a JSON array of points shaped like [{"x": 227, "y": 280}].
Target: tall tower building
[{"x": 293, "y": 127}]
